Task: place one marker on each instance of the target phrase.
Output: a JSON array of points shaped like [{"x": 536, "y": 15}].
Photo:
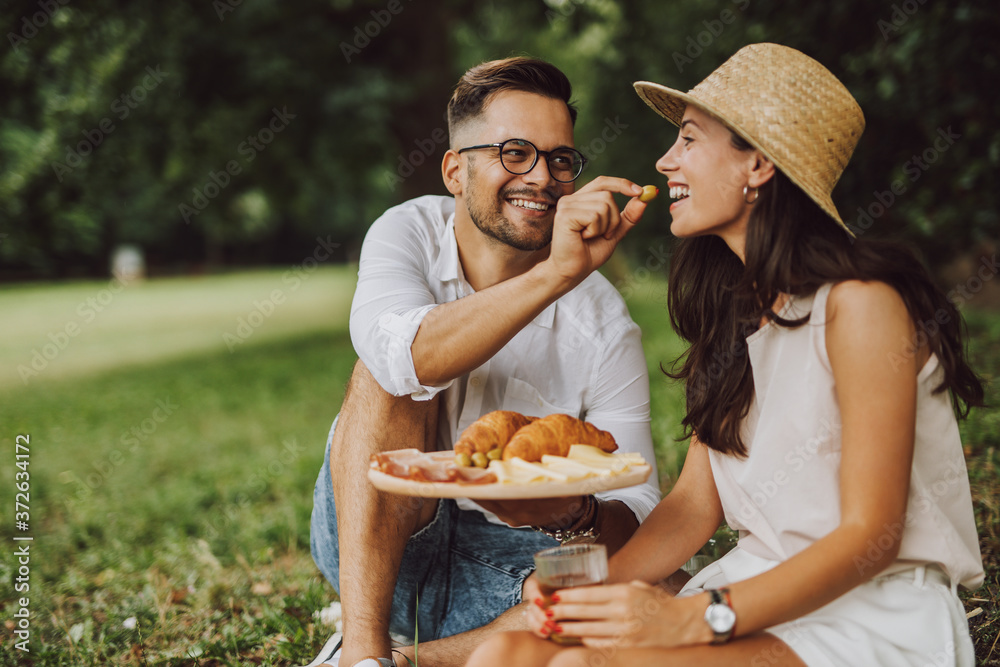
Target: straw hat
[{"x": 786, "y": 105}]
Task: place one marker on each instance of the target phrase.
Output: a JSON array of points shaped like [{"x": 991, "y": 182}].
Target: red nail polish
[
  {"x": 557, "y": 629},
  {"x": 550, "y": 624},
  {"x": 549, "y": 613},
  {"x": 555, "y": 598},
  {"x": 540, "y": 602}
]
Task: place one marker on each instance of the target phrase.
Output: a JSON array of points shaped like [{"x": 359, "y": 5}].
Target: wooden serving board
[{"x": 636, "y": 474}]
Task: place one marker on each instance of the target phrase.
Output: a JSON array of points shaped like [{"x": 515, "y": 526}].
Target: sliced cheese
[
  {"x": 594, "y": 457},
  {"x": 574, "y": 469},
  {"x": 539, "y": 469},
  {"x": 583, "y": 461},
  {"x": 507, "y": 473}
]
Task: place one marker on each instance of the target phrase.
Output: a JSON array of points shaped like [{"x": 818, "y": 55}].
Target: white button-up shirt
[{"x": 581, "y": 356}]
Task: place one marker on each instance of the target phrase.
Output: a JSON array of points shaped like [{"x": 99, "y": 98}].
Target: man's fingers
[
  {"x": 630, "y": 217},
  {"x": 612, "y": 184},
  {"x": 593, "y": 214}
]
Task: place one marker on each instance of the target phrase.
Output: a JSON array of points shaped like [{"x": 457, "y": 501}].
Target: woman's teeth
[{"x": 679, "y": 192}]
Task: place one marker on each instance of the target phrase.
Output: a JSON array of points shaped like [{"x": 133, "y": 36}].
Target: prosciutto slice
[{"x": 419, "y": 466}]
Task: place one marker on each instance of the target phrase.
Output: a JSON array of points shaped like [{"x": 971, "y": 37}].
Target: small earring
[{"x": 756, "y": 194}]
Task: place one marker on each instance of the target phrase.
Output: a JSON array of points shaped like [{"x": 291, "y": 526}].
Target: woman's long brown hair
[{"x": 792, "y": 247}]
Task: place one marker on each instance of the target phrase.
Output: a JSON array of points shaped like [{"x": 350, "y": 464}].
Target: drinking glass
[{"x": 568, "y": 566}]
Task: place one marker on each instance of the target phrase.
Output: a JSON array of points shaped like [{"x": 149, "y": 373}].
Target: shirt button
[
  {"x": 477, "y": 382},
  {"x": 385, "y": 320}
]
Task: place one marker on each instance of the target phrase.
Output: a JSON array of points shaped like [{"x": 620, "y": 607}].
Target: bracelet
[{"x": 583, "y": 531}]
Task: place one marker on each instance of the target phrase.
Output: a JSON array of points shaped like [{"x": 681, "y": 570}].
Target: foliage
[{"x": 97, "y": 151}]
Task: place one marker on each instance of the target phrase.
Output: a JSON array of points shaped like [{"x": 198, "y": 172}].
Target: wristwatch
[{"x": 720, "y": 616}]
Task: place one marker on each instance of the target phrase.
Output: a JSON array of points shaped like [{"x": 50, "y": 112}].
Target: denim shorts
[{"x": 466, "y": 570}]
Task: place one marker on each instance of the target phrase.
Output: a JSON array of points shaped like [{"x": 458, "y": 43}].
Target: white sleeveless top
[{"x": 785, "y": 495}]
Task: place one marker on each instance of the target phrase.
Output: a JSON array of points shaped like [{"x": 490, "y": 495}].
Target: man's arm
[{"x": 456, "y": 338}]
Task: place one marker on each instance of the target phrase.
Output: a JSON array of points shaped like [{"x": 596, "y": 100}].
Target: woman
[{"x": 823, "y": 379}]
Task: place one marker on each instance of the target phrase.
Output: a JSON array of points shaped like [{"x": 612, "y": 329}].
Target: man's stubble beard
[{"x": 491, "y": 221}]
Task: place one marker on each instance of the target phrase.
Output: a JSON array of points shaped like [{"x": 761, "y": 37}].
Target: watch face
[{"x": 720, "y": 618}]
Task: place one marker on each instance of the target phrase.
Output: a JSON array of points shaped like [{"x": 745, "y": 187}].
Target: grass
[{"x": 171, "y": 479}]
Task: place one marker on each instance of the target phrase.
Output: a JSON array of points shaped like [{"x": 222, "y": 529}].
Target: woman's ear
[
  {"x": 762, "y": 171},
  {"x": 451, "y": 172}
]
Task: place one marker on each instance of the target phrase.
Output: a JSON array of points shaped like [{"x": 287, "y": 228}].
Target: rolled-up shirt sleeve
[
  {"x": 392, "y": 298},
  {"x": 619, "y": 403}
]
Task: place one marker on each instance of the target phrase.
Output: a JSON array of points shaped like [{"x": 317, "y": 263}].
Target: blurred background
[
  {"x": 184, "y": 188},
  {"x": 116, "y": 115}
]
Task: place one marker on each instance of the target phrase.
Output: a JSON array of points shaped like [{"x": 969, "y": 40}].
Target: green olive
[
  {"x": 494, "y": 454},
  {"x": 649, "y": 193},
  {"x": 479, "y": 460},
  {"x": 463, "y": 460}
]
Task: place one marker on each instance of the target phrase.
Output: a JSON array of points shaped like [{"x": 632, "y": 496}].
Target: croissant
[
  {"x": 554, "y": 435},
  {"x": 491, "y": 431}
]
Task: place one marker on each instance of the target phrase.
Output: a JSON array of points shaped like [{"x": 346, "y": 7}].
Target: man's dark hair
[{"x": 481, "y": 83}]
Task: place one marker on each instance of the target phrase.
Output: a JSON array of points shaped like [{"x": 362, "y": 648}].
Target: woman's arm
[
  {"x": 868, "y": 325},
  {"x": 676, "y": 528}
]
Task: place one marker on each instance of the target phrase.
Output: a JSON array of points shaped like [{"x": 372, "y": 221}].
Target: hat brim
[{"x": 671, "y": 103}]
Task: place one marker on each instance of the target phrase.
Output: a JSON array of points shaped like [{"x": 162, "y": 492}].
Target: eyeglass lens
[{"x": 518, "y": 157}]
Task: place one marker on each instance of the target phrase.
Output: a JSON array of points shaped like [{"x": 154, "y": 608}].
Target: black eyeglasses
[{"x": 519, "y": 156}]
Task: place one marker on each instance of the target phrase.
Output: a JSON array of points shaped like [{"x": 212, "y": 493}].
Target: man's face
[{"x": 516, "y": 210}]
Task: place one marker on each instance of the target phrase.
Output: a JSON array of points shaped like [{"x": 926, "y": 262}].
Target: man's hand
[
  {"x": 545, "y": 512},
  {"x": 588, "y": 227}
]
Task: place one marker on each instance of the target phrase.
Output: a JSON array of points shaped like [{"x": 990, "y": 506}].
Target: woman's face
[{"x": 706, "y": 175}]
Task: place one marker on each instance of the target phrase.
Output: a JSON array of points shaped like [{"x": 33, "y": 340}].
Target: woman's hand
[
  {"x": 538, "y": 613},
  {"x": 634, "y": 615}
]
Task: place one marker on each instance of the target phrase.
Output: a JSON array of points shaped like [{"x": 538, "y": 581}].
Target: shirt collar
[
  {"x": 546, "y": 317},
  {"x": 447, "y": 267}
]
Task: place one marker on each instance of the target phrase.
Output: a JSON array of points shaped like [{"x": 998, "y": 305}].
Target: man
[{"x": 486, "y": 301}]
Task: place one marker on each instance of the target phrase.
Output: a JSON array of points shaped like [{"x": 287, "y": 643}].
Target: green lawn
[{"x": 171, "y": 477}]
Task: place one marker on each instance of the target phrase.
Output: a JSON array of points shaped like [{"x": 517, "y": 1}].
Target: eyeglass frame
[{"x": 538, "y": 151}]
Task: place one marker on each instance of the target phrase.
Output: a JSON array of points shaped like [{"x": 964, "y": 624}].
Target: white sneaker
[{"x": 330, "y": 655}]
